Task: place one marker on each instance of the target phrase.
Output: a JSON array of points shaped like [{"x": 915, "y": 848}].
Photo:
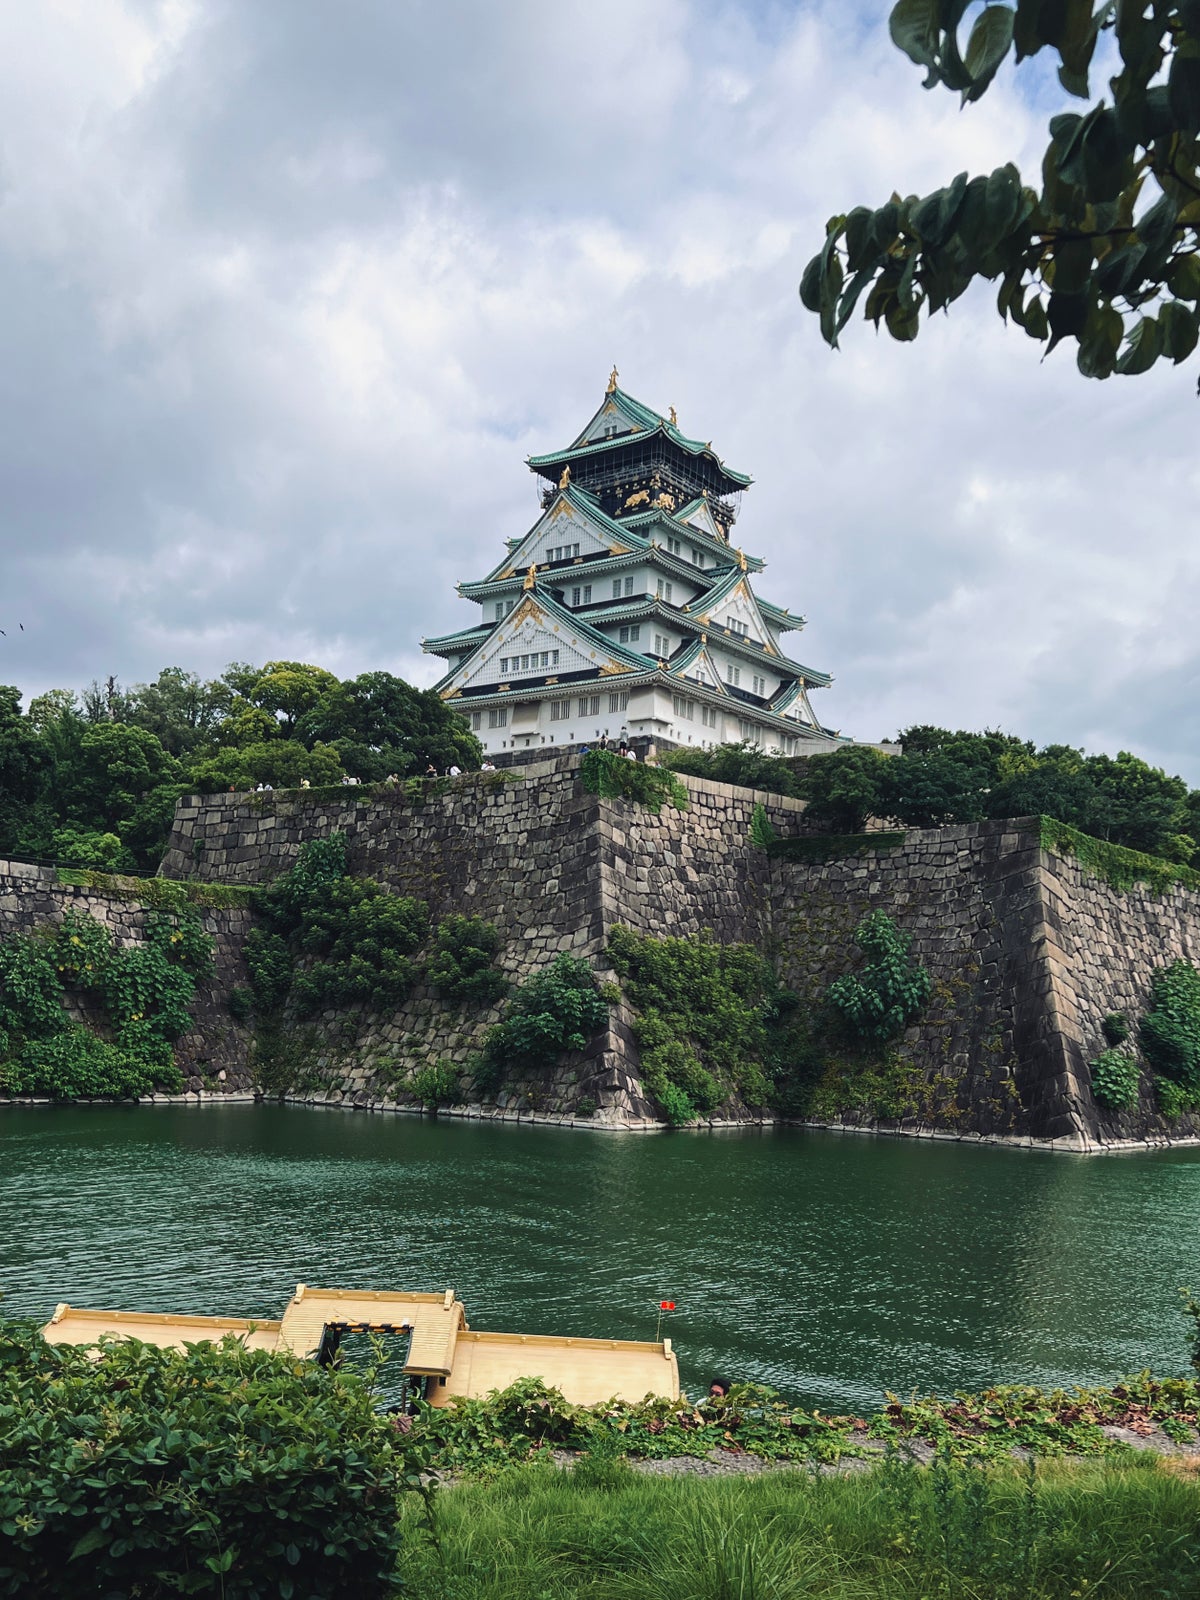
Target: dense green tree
[
  {"x": 380, "y": 725},
  {"x": 23, "y": 765},
  {"x": 1108, "y": 252},
  {"x": 287, "y": 689},
  {"x": 745, "y": 764},
  {"x": 1139, "y": 805},
  {"x": 282, "y": 763},
  {"x": 179, "y": 708},
  {"x": 929, "y": 790},
  {"x": 114, "y": 767},
  {"x": 845, "y": 787}
]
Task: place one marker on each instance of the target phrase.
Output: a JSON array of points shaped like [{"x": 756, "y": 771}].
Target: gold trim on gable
[{"x": 613, "y": 668}]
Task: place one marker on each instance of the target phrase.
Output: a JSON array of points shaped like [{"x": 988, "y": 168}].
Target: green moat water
[{"x": 830, "y": 1266}]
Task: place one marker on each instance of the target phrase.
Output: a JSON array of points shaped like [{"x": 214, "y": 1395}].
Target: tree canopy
[
  {"x": 1106, "y": 253},
  {"x": 93, "y": 778}
]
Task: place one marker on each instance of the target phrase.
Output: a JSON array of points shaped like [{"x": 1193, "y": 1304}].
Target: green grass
[
  {"x": 1066, "y": 1530},
  {"x": 163, "y": 894}
]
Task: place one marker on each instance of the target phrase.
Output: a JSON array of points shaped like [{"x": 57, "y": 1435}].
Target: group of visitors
[{"x": 605, "y": 743}]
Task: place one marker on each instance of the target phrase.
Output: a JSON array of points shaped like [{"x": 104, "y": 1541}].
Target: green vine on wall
[
  {"x": 615, "y": 777},
  {"x": 144, "y": 991},
  {"x": 1120, "y": 868},
  {"x": 165, "y": 894}
]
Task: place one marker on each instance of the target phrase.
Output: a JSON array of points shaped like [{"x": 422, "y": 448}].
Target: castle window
[
  {"x": 733, "y": 675},
  {"x": 664, "y": 591},
  {"x": 628, "y": 585},
  {"x": 589, "y": 705},
  {"x": 674, "y": 546},
  {"x": 662, "y": 645},
  {"x": 630, "y": 635},
  {"x": 499, "y": 610},
  {"x": 760, "y": 685},
  {"x": 698, "y": 557},
  {"x": 581, "y": 596},
  {"x": 616, "y": 588},
  {"x": 560, "y": 710},
  {"x": 618, "y": 702},
  {"x": 498, "y": 717},
  {"x": 708, "y": 715},
  {"x": 503, "y": 666},
  {"x": 476, "y": 721}
]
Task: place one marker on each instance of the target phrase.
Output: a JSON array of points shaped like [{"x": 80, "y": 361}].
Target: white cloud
[{"x": 287, "y": 293}]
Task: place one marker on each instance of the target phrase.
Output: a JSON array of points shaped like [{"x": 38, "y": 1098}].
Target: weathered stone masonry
[
  {"x": 1027, "y": 951},
  {"x": 31, "y": 897}
]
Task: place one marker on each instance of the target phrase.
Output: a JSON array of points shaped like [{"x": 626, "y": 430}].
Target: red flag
[{"x": 666, "y": 1305}]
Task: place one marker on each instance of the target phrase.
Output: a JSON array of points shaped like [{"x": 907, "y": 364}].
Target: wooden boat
[{"x": 445, "y": 1358}]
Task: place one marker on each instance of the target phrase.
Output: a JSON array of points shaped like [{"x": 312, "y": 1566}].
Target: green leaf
[
  {"x": 1072, "y": 266},
  {"x": 915, "y": 26},
  {"x": 1184, "y": 279},
  {"x": 1179, "y": 330},
  {"x": 1142, "y": 349},
  {"x": 987, "y": 47},
  {"x": 1066, "y": 316},
  {"x": 97, "y": 1539},
  {"x": 810, "y": 284},
  {"x": 859, "y": 238},
  {"x": 1183, "y": 87},
  {"x": 1100, "y": 341}
]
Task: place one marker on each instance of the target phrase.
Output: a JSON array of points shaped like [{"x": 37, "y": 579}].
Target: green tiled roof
[{"x": 644, "y": 419}]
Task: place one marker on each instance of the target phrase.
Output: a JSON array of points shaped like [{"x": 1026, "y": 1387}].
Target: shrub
[
  {"x": 78, "y": 1065},
  {"x": 436, "y": 1084},
  {"x": 183, "y": 940},
  {"x": 712, "y": 1020},
  {"x": 1115, "y": 1078},
  {"x": 747, "y": 765},
  {"x": 558, "y": 1010},
  {"x": 241, "y": 1003},
  {"x": 31, "y": 992},
  {"x": 137, "y": 1470},
  {"x": 269, "y": 963},
  {"x": 1173, "y": 1099},
  {"x": 1115, "y": 1028},
  {"x": 845, "y": 787},
  {"x": 462, "y": 966},
  {"x": 81, "y": 950},
  {"x": 617, "y": 778},
  {"x": 1170, "y": 1031},
  {"x": 762, "y": 833},
  {"x": 888, "y": 992},
  {"x": 140, "y": 984},
  {"x": 676, "y": 1106}
]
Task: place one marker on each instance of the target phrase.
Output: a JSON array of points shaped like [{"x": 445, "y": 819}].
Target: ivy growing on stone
[
  {"x": 880, "y": 999},
  {"x": 557, "y": 1010},
  {"x": 145, "y": 991},
  {"x": 462, "y": 966},
  {"x": 616, "y": 778},
  {"x": 1169, "y": 1035},
  {"x": 1115, "y": 1078}
]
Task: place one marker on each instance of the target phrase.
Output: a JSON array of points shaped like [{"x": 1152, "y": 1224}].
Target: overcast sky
[{"x": 288, "y": 291}]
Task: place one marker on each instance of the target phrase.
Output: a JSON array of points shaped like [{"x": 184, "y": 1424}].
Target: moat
[{"x": 830, "y": 1266}]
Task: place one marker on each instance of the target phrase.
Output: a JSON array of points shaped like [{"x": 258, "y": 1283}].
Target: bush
[
  {"x": 558, "y": 1010},
  {"x": 219, "y": 1471},
  {"x": 31, "y": 992},
  {"x": 712, "y": 1021},
  {"x": 81, "y": 950},
  {"x": 269, "y": 963},
  {"x": 140, "y": 984},
  {"x": 462, "y": 966},
  {"x": 747, "y": 765},
  {"x": 617, "y": 778},
  {"x": 241, "y": 1003},
  {"x": 844, "y": 788},
  {"x": 888, "y": 992},
  {"x": 1170, "y": 1031},
  {"x": 78, "y": 1065},
  {"x": 1115, "y": 1028},
  {"x": 1115, "y": 1078},
  {"x": 436, "y": 1084}
]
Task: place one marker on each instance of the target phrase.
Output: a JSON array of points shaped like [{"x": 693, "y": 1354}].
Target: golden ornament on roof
[
  {"x": 673, "y": 417},
  {"x": 612, "y": 381},
  {"x": 530, "y": 576},
  {"x": 566, "y": 477},
  {"x": 741, "y": 555}
]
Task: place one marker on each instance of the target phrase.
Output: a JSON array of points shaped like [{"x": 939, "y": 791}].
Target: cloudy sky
[{"x": 289, "y": 291}]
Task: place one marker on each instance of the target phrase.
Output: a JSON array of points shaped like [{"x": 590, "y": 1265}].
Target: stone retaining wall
[
  {"x": 32, "y": 897},
  {"x": 1027, "y": 951}
]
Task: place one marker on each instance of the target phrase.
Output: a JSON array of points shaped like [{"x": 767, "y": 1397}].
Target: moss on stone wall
[
  {"x": 159, "y": 894},
  {"x": 1120, "y": 868}
]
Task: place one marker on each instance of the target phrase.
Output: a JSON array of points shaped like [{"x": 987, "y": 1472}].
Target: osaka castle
[{"x": 627, "y": 610}]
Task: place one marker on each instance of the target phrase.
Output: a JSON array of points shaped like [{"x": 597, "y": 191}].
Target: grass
[
  {"x": 164, "y": 894},
  {"x": 954, "y": 1530}
]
